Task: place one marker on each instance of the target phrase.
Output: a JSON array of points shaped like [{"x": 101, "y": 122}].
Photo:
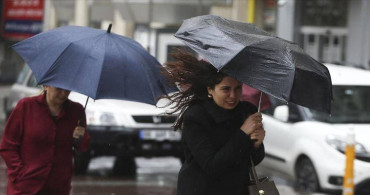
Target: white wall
[
  {"x": 358, "y": 42},
  {"x": 285, "y": 19}
]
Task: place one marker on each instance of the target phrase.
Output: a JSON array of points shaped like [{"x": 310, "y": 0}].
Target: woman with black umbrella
[{"x": 219, "y": 133}]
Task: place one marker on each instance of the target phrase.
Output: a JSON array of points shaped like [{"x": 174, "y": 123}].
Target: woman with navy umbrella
[
  {"x": 38, "y": 140},
  {"x": 220, "y": 134}
]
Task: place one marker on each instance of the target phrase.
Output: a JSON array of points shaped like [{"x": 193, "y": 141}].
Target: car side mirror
[{"x": 282, "y": 113}]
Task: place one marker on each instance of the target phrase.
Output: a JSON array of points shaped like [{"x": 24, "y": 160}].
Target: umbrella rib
[
  {"x": 61, "y": 55},
  {"x": 233, "y": 56},
  {"x": 145, "y": 73},
  {"x": 101, "y": 67},
  {"x": 101, "y": 70},
  {"x": 147, "y": 78},
  {"x": 142, "y": 64},
  {"x": 54, "y": 64},
  {"x": 268, "y": 35},
  {"x": 93, "y": 95},
  {"x": 107, "y": 43}
]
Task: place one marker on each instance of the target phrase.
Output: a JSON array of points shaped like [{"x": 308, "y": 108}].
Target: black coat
[{"x": 217, "y": 151}]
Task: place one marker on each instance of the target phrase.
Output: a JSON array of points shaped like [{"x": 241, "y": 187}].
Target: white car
[
  {"x": 309, "y": 146},
  {"x": 124, "y": 129}
]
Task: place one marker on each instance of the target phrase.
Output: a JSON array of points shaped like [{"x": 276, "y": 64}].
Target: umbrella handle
[
  {"x": 259, "y": 103},
  {"x": 79, "y": 123},
  {"x": 87, "y": 100}
]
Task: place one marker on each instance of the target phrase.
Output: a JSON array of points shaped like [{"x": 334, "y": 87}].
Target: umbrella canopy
[
  {"x": 268, "y": 63},
  {"x": 95, "y": 63}
]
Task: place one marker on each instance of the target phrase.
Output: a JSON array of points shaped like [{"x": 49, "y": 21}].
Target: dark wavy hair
[{"x": 192, "y": 76}]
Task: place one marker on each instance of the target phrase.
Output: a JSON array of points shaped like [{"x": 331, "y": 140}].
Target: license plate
[{"x": 160, "y": 135}]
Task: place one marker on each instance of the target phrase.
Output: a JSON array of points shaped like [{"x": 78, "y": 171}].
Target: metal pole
[
  {"x": 251, "y": 9},
  {"x": 150, "y": 20},
  {"x": 348, "y": 184},
  {"x": 81, "y": 13}
]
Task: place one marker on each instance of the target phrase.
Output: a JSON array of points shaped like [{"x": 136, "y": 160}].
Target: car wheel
[
  {"x": 306, "y": 177},
  {"x": 124, "y": 166},
  {"x": 82, "y": 163}
]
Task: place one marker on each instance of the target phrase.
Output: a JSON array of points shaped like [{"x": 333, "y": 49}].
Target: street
[{"x": 154, "y": 176}]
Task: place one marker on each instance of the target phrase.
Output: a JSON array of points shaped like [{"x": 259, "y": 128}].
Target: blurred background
[{"x": 331, "y": 31}]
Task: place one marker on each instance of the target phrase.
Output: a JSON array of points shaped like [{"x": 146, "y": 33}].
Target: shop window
[{"x": 324, "y": 12}]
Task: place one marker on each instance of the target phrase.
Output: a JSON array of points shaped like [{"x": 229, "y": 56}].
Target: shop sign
[{"x": 22, "y": 18}]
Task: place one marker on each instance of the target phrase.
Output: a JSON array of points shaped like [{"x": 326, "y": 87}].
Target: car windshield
[
  {"x": 350, "y": 105},
  {"x": 23, "y": 74}
]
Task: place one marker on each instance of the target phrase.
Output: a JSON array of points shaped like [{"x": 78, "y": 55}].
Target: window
[
  {"x": 32, "y": 82},
  {"x": 351, "y": 105},
  {"x": 324, "y": 13},
  {"x": 23, "y": 74}
]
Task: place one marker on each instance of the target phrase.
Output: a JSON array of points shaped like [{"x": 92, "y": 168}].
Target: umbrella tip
[{"x": 109, "y": 27}]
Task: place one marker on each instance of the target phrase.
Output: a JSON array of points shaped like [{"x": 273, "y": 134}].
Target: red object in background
[
  {"x": 252, "y": 95},
  {"x": 22, "y": 18}
]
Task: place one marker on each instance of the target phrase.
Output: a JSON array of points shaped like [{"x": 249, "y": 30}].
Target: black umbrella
[{"x": 268, "y": 63}]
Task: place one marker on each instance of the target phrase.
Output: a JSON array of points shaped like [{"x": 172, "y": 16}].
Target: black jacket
[{"x": 217, "y": 151}]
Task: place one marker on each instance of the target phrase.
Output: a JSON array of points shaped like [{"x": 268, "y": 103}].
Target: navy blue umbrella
[{"x": 93, "y": 62}]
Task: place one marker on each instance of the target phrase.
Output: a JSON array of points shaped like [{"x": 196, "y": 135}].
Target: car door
[{"x": 280, "y": 136}]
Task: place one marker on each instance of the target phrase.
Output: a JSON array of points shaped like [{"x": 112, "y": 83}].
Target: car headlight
[
  {"x": 101, "y": 118},
  {"x": 340, "y": 144}
]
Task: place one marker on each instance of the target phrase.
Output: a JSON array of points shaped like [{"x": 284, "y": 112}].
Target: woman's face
[
  {"x": 227, "y": 93},
  {"x": 56, "y": 95}
]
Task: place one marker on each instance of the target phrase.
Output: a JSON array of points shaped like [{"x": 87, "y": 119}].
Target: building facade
[
  {"x": 333, "y": 31},
  {"x": 329, "y": 30}
]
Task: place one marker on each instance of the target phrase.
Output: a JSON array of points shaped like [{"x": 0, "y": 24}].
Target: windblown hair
[{"x": 192, "y": 76}]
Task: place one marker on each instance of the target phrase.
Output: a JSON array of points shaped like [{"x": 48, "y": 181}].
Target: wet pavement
[
  {"x": 154, "y": 176},
  {"x": 94, "y": 186}
]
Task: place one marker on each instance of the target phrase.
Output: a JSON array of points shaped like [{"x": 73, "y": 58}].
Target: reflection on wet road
[{"x": 154, "y": 176}]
